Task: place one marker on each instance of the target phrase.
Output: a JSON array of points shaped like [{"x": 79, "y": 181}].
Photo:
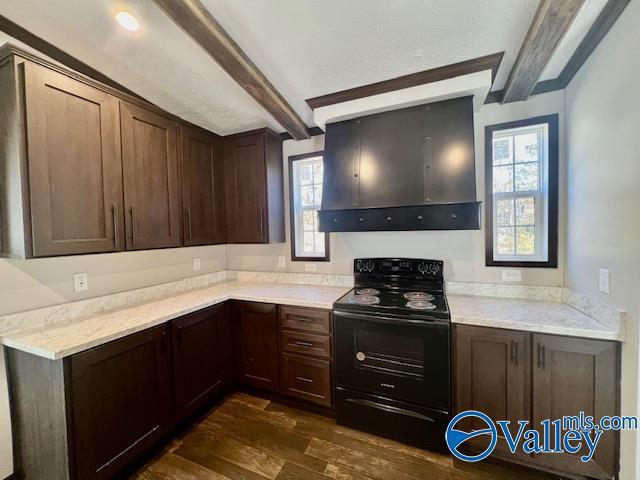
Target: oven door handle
[
  {"x": 391, "y": 320},
  {"x": 390, "y": 409}
]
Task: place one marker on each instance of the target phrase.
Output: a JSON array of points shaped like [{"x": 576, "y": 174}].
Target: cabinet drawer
[
  {"x": 307, "y": 343},
  {"x": 307, "y": 378},
  {"x": 305, "y": 319}
]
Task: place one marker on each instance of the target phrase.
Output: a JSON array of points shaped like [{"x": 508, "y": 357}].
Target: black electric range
[{"x": 392, "y": 351}]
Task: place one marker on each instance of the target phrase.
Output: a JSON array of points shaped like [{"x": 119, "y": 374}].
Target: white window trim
[
  {"x": 299, "y": 209},
  {"x": 541, "y": 196}
]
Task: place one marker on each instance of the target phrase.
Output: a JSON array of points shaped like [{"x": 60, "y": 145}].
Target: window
[
  {"x": 521, "y": 188},
  {"x": 305, "y": 198}
]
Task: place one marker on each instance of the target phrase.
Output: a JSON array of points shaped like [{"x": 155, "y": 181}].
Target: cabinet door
[
  {"x": 202, "y": 188},
  {"x": 246, "y": 190},
  {"x": 258, "y": 345},
  {"x": 120, "y": 401},
  {"x": 151, "y": 187},
  {"x": 75, "y": 169},
  {"x": 492, "y": 376},
  {"x": 572, "y": 375},
  {"x": 199, "y": 363}
]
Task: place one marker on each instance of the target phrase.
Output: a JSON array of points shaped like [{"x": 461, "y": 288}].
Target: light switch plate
[
  {"x": 310, "y": 267},
  {"x": 605, "y": 281},
  {"x": 281, "y": 261},
  {"x": 514, "y": 276},
  {"x": 196, "y": 264},
  {"x": 80, "y": 282}
]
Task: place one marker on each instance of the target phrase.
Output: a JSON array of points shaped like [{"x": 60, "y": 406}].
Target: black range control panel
[{"x": 409, "y": 267}]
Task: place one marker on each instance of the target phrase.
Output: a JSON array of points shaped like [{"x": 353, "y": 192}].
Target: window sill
[
  {"x": 310, "y": 259},
  {"x": 521, "y": 264}
]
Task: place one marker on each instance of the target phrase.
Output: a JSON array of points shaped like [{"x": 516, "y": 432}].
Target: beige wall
[
  {"x": 463, "y": 251},
  {"x": 29, "y": 284},
  {"x": 603, "y": 224}
]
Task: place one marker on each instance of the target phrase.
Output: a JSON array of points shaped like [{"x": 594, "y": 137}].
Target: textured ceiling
[{"x": 305, "y": 47}]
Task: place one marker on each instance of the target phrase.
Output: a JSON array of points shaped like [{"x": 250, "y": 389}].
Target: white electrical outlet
[
  {"x": 196, "y": 264},
  {"x": 80, "y": 282},
  {"x": 310, "y": 267},
  {"x": 605, "y": 281},
  {"x": 281, "y": 261},
  {"x": 511, "y": 275}
]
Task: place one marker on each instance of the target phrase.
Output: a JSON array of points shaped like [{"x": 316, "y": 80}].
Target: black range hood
[{"x": 408, "y": 169}]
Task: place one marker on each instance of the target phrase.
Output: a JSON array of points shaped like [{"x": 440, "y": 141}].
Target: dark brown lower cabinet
[
  {"x": 522, "y": 376},
  {"x": 492, "y": 376},
  {"x": 200, "y": 358},
  {"x": 89, "y": 415},
  {"x": 307, "y": 378},
  {"x": 257, "y": 345},
  {"x": 572, "y": 375}
]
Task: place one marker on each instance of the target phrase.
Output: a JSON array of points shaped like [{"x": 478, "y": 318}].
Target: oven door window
[{"x": 398, "y": 354}]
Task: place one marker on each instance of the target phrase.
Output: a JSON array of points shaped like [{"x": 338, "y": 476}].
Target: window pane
[
  {"x": 504, "y": 211},
  {"x": 307, "y": 243},
  {"x": 317, "y": 195},
  {"x": 506, "y": 240},
  {"x": 525, "y": 211},
  {"x": 526, "y": 177},
  {"x": 306, "y": 172},
  {"x": 319, "y": 242},
  {"x": 306, "y": 196},
  {"x": 503, "y": 179},
  {"x": 502, "y": 151},
  {"x": 317, "y": 172},
  {"x": 527, "y": 146},
  {"x": 308, "y": 220},
  {"x": 526, "y": 244}
]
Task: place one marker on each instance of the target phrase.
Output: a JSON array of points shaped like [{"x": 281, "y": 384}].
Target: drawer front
[
  {"x": 307, "y": 378},
  {"x": 306, "y": 343},
  {"x": 305, "y": 319}
]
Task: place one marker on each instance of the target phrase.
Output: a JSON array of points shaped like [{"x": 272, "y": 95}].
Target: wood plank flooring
[{"x": 250, "y": 438}]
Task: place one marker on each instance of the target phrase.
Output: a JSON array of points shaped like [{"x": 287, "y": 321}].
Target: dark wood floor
[{"x": 251, "y": 438}]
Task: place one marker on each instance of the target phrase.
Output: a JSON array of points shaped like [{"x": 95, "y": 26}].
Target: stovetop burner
[
  {"x": 364, "y": 299},
  {"x": 413, "y": 296},
  {"x": 367, "y": 291},
  {"x": 421, "y": 305}
]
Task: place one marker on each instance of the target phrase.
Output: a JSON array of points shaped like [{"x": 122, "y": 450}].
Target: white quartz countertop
[
  {"x": 60, "y": 340},
  {"x": 530, "y": 315}
]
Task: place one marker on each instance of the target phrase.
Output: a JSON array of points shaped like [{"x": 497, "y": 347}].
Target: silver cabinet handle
[
  {"x": 261, "y": 213},
  {"x": 187, "y": 215},
  {"x": 303, "y": 379},
  {"x": 304, "y": 344}
]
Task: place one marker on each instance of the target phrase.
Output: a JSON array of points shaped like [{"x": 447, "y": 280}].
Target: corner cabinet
[
  {"x": 254, "y": 187},
  {"x": 517, "y": 375}
]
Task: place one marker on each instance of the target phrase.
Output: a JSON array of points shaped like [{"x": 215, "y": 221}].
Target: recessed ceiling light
[{"x": 128, "y": 21}]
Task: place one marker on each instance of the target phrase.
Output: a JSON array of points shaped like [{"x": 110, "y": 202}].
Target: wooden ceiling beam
[
  {"x": 549, "y": 26},
  {"x": 488, "y": 62},
  {"x": 199, "y": 24}
]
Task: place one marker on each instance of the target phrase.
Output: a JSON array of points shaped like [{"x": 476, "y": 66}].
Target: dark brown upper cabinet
[
  {"x": 151, "y": 179},
  {"x": 72, "y": 200},
  {"x": 254, "y": 187},
  {"x": 202, "y": 187}
]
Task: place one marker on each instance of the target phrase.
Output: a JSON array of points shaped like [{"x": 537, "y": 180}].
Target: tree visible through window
[
  {"x": 306, "y": 174},
  {"x": 522, "y": 192}
]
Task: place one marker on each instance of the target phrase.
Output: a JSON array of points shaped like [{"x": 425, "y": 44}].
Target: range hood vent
[{"x": 408, "y": 169}]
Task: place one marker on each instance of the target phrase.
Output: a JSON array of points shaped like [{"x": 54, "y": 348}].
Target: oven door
[{"x": 405, "y": 359}]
